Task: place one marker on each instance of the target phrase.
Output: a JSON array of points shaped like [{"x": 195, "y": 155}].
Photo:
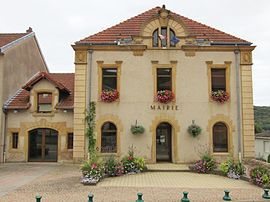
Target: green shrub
[
  {"x": 113, "y": 167},
  {"x": 260, "y": 176},
  {"x": 139, "y": 163},
  {"x": 268, "y": 159},
  {"x": 232, "y": 169}
]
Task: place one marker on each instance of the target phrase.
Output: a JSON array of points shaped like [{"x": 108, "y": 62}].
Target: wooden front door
[{"x": 43, "y": 145}]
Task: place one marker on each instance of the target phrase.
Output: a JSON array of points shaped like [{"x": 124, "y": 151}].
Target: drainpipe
[
  {"x": 89, "y": 62},
  {"x": 5, "y": 133},
  {"x": 90, "y": 58},
  {"x": 239, "y": 101}
]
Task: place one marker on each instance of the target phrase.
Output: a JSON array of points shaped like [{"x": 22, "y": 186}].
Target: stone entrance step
[{"x": 168, "y": 167}]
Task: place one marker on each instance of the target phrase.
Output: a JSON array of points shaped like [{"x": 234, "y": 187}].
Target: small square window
[
  {"x": 44, "y": 102},
  {"x": 70, "y": 141},
  {"x": 15, "y": 139}
]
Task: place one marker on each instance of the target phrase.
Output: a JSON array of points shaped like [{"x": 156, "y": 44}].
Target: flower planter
[
  {"x": 109, "y": 95},
  {"x": 220, "y": 96},
  {"x": 164, "y": 96}
]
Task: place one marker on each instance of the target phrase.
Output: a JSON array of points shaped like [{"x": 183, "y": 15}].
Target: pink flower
[{"x": 94, "y": 166}]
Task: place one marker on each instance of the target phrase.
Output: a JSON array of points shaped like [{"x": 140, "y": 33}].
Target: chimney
[{"x": 29, "y": 30}]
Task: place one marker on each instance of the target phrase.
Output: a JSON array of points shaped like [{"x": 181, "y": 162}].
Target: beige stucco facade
[
  {"x": 191, "y": 83},
  {"x": 18, "y": 62},
  {"x": 191, "y": 102},
  {"x": 23, "y": 121}
]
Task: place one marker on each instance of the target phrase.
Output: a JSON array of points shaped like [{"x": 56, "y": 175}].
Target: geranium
[
  {"x": 220, "y": 96},
  {"x": 109, "y": 95},
  {"x": 164, "y": 96},
  {"x": 94, "y": 166}
]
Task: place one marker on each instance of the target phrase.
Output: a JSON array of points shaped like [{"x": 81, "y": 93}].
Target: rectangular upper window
[
  {"x": 70, "y": 141},
  {"x": 218, "y": 78},
  {"x": 15, "y": 139},
  {"x": 44, "y": 104},
  {"x": 109, "y": 78},
  {"x": 164, "y": 79}
]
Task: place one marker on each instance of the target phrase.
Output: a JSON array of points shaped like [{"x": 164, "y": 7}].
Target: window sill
[
  {"x": 108, "y": 154},
  {"x": 116, "y": 101},
  {"x": 221, "y": 153}
]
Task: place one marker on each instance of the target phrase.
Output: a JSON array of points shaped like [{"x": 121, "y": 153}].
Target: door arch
[
  {"x": 164, "y": 142},
  {"x": 43, "y": 145}
]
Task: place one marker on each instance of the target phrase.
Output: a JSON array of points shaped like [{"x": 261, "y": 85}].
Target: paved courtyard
[{"x": 56, "y": 182}]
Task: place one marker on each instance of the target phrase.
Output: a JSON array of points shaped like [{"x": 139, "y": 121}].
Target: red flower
[
  {"x": 130, "y": 158},
  {"x": 220, "y": 96},
  {"x": 165, "y": 96},
  {"x": 109, "y": 95},
  {"x": 94, "y": 166}
]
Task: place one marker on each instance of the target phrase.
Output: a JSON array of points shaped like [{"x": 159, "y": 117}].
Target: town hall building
[
  {"x": 167, "y": 86},
  {"x": 164, "y": 72}
]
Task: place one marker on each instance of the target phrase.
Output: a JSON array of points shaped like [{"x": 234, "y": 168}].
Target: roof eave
[{"x": 15, "y": 42}]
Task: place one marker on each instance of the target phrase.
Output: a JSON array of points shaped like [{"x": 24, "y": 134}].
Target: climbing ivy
[{"x": 90, "y": 120}]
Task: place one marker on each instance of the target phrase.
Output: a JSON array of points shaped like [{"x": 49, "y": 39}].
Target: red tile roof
[
  {"x": 8, "y": 38},
  {"x": 132, "y": 27},
  {"x": 63, "y": 81}
]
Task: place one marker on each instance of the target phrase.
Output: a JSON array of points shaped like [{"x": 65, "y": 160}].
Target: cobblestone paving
[{"x": 62, "y": 183}]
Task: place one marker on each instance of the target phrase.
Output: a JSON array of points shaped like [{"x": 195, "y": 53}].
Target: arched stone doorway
[
  {"x": 43, "y": 145},
  {"x": 164, "y": 142}
]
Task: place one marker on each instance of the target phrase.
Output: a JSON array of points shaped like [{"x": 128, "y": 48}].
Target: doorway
[
  {"x": 164, "y": 142},
  {"x": 43, "y": 145}
]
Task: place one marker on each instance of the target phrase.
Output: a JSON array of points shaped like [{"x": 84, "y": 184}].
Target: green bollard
[
  {"x": 227, "y": 197},
  {"x": 38, "y": 198},
  {"x": 265, "y": 194},
  {"x": 140, "y": 197},
  {"x": 185, "y": 197},
  {"x": 90, "y": 197}
]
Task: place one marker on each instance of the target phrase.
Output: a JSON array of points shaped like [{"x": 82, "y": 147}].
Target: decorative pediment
[{"x": 164, "y": 18}]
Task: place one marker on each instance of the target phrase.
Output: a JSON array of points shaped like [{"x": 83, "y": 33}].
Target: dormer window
[
  {"x": 44, "y": 104},
  {"x": 161, "y": 34}
]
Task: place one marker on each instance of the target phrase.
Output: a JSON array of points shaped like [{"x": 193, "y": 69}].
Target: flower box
[
  {"x": 164, "y": 96},
  {"x": 109, "y": 95},
  {"x": 220, "y": 96}
]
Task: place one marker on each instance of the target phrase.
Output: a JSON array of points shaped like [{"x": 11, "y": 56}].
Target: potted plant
[
  {"x": 164, "y": 96},
  {"x": 220, "y": 96},
  {"x": 109, "y": 95},
  {"x": 194, "y": 129},
  {"x": 136, "y": 129}
]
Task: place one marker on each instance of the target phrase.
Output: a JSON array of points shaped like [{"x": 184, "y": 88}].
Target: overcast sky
[{"x": 59, "y": 23}]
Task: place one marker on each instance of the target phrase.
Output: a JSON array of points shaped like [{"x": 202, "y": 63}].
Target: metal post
[
  {"x": 185, "y": 197},
  {"x": 140, "y": 197},
  {"x": 90, "y": 197},
  {"x": 38, "y": 198},
  {"x": 227, "y": 197},
  {"x": 266, "y": 194}
]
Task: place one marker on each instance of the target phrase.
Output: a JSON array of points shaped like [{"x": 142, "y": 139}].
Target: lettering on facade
[{"x": 164, "y": 107}]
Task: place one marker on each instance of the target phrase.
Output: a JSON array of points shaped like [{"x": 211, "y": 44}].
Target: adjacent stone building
[
  {"x": 39, "y": 119},
  {"x": 164, "y": 72},
  {"x": 20, "y": 58}
]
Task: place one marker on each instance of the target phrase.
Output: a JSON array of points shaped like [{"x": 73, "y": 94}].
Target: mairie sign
[{"x": 164, "y": 107}]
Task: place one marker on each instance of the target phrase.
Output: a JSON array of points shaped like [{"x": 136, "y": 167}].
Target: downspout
[
  {"x": 90, "y": 59},
  {"x": 239, "y": 101},
  {"x": 5, "y": 133}
]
